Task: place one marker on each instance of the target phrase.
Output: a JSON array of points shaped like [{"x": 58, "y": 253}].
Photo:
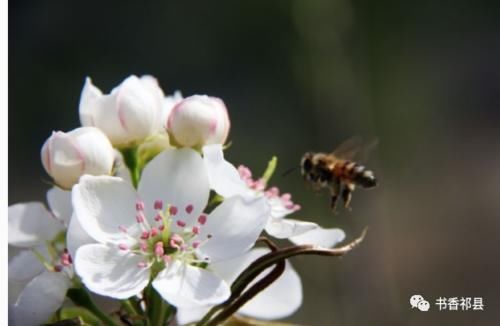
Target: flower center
[
  {"x": 271, "y": 193},
  {"x": 168, "y": 238}
]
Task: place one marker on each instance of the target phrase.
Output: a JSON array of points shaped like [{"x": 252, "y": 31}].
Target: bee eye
[{"x": 307, "y": 165}]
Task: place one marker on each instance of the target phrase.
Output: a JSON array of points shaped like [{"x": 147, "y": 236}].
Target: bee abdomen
[
  {"x": 364, "y": 177},
  {"x": 358, "y": 174}
]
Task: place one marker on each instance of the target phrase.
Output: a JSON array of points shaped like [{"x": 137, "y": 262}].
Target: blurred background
[{"x": 423, "y": 77}]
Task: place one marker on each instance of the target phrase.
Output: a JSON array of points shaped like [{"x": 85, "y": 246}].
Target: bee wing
[{"x": 355, "y": 148}]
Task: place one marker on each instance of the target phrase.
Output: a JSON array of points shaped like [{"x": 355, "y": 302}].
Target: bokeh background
[{"x": 422, "y": 76}]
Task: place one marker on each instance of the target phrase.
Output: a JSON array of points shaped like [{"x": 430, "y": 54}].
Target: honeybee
[{"x": 338, "y": 171}]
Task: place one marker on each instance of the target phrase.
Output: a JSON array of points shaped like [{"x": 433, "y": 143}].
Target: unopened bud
[
  {"x": 128, "y": 114},
  {"x": 68, "y": 156},
  {"x": 199, "y": 120}
]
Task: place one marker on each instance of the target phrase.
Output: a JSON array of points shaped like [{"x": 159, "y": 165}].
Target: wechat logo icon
[{"x": 418, "y": 301}]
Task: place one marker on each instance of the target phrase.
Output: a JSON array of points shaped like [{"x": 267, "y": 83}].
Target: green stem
[
  {"x": 159, "y": 311},
  {"x": 129, "y": 307},
  {"x": 131, "y": 159},
  {"x": 170, "y": 313},
  {"x": 81, "y": 298},
  {"x": 133, "y": 309}
]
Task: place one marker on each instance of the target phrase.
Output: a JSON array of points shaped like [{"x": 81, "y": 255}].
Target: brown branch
[
  {"x": 275, "y": 257},
  {"x": 249, "y": 294},
  {"x": 271, "y": 258}
]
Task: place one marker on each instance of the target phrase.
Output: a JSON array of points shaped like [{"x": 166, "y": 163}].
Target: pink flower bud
[
  {"x": 68, "y": 156},
  {"x": 128, "y": 114},
  {"x": 199, "y": 120}
]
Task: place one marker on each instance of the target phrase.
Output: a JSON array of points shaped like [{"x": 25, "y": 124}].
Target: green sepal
[
  {"x": 271, "y": 167},
  {"x": 77, "y": 316}
]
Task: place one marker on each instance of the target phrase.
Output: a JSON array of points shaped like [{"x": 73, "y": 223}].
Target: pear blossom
[
  {"x": 67, "y": 156},
  {"x": 38, "y": 278},
  {"x": 160, "y": 232},
  {"x": 129, "y": 114},
  {"x": 279, "y": 300},
  {"x": 226, "y": 180},
  {"x": 36, "y": 290},
  {"x": 199, "y": 120}
]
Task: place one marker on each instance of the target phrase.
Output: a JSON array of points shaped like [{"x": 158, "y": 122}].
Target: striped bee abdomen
[
  {"x": 364, "y": 177},
  {"x": 357, "y": 174}
]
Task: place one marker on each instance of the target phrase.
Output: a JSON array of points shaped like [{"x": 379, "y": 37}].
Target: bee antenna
[{"x": 287, "y": 172}]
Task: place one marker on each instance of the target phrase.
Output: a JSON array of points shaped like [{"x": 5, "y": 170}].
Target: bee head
[{"x": 306, "y": 163}]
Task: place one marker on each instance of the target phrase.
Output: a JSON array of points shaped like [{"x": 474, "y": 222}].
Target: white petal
[
  {"x": 62, "y": 159},
  {"x": 198, "y": 120},
  {"x": 138, "y": 107},
  {"x": 121, "y": 169},
  {"x": 102, "y": 204},
  {"x": 278, "y": 209},
  {"x": 190, "y": 315},
  {"x": 68, "y": 156},
  {"x": 95, "y": 149},
  {"x": 130, "y": 112},
  {"x": 15, "y": 288},
  {"x": 230, "y": 269},
  {"x": 224, "y": 177},
  {"x": 152, "y": 85},
  {"x": 30, "y": 224},
  {"x": 326, "y": 238},
  {"x": 179, "y": 178},
  {"x": 280, "y": 299},
  {"x": 107, "y": 118},
  {"x": 24, "y": 267},
  {"x": 76, "y": 236},
  {"x": 108, "y": 271},
  {"x": 234, "y": 227},
  {"x": 283, "y": 228},
  {"x": 223, "y": 123},
  {"x": 168, "y": 104},
  {"x": 41, "y": 298},
  {"x": 88, "y": 99},
  {"x": 60, "y": 203},
  {"x": 187, "y": 286}
]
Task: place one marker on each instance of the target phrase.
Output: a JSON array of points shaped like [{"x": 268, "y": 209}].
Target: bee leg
[
  {"x": 335, "y": 190},
  {"x": 316, "y": 187},
  {"x": 347, "y": 194},
  {"x": 315, "y": 183},
  {"x": 333, "y": 203}
]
